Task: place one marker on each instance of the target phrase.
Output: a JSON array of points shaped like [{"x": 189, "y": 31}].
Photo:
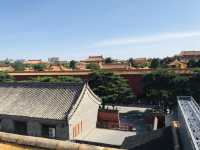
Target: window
[
  {"x": 20, "y": 127},
  {"x": 52, "y": 132},
  {"x": 49, "y": 131}
]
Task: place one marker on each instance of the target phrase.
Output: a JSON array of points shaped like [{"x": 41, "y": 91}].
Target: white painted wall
[{"x": 85, "y": 112}]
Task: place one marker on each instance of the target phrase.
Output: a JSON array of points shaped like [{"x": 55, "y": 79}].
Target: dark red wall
[{"x": 135, "y": 82}]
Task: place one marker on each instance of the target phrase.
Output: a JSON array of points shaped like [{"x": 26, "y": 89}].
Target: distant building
[
  {"x": 81, "y": 66},
  {"x": 29, "y": 69},
  {"x": 52, "y": 110},
  {"x": 140, "y": 60},
  {"x": 94, "y": 59},
  {"x": 63, "y": 62},
  {"x": 178, "y": 64},
  {"x": 6, "y": 68},
  {"x": 53, "y": 60},
  {"x": 113, "y": 66},
  {"x": 34, "y": 62},
  {"x": 188, "y": 55},
  {"x": 56, "y": 67},
  {"x": 119, "y": 61}
]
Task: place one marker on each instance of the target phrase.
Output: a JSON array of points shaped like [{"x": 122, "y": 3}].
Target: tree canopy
[
  {"x": 93, "y": 66},
  {"x": 193, "y": 64},
  {"x": 194, "y": 84},
  {"x": 4, "y": 77},
  {"x": 39, "y": 67},
  {"x": 131, "y": 62},
  {"x": 112, "y": 88},
  {"x": 72, "y": 64},
  {"x": 162, "y": 87},
  {"x": 165, "y": 61},
  {"x": 155, "y": 63},
  {"x": 108, "y": 60},
  {"x": 19, "y": 66}
]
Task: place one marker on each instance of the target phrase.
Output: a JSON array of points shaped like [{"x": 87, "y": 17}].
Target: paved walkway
[{"x": 106, "y": 136}]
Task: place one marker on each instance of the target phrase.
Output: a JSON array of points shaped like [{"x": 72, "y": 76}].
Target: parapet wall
[{"x": 50, "y": 144}]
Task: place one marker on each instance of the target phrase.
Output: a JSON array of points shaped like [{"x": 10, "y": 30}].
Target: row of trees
[
  {"x": 163, "y": 63},
  {"x": 163, "y": 87},
  {"x": 20, "y": 66},
  {"x": 153, "y": 63},
  {"x": 193, "y": 64}
]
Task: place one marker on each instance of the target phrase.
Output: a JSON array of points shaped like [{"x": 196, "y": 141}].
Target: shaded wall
[{"x": 34, "y": 127}]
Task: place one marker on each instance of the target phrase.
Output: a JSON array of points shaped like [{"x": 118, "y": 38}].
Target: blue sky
[{"x": 74, "y": 29}]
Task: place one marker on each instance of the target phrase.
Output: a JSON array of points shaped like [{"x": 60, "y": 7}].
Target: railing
[{"x": 191, "y": 113}]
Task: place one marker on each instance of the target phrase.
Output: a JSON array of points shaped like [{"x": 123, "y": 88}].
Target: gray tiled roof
[{"x": 38, "y": 100}]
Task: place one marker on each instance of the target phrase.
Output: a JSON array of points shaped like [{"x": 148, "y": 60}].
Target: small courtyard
[{"x": 133, "y": 116}]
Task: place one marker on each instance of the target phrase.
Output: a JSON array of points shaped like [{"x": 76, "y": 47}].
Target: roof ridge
[
  {"x": 41, "y": 84},
  {"x": 38, "y": 100}
]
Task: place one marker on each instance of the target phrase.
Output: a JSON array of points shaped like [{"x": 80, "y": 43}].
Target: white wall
[{"x": 86, "y": 113}]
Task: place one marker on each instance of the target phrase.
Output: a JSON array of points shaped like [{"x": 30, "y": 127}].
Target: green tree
[
  {"x": 39, "y": 67},
  {"x": 66, "y": 65},
  {"x": 165, "y": 61},
  {"x": 19, "y": 66},
  {"x": 93, "y": 66},
  {"x": 132, "y": 63},
  {"x": 181, "y": 85},
  {"x": 194, "y": 84},
  {"x": 108, "y": 60},
  {"x": 5, "y": 77},
  {"x": 162, "y": 87},
  {"x": 155, "y": 63},
  {"x": 198, "y": 64},
  {"x": 72, "y": 64},
  {"x": 157, "y": 85},
  {"x": 112, "y": 88},
  {"x": 6, "y": 61},
  {"x": 192, "y": 63}
]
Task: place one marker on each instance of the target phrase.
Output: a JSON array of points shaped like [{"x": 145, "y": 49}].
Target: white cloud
[{"x": 147, "y": 39}]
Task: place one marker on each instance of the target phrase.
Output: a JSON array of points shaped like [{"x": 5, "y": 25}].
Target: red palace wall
[
  {"x": 108, "y": 119},
  {"x": 135, "y": 82}
]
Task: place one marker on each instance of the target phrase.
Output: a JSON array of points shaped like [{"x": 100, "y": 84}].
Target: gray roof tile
[{"x": 38, "y": 100}]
